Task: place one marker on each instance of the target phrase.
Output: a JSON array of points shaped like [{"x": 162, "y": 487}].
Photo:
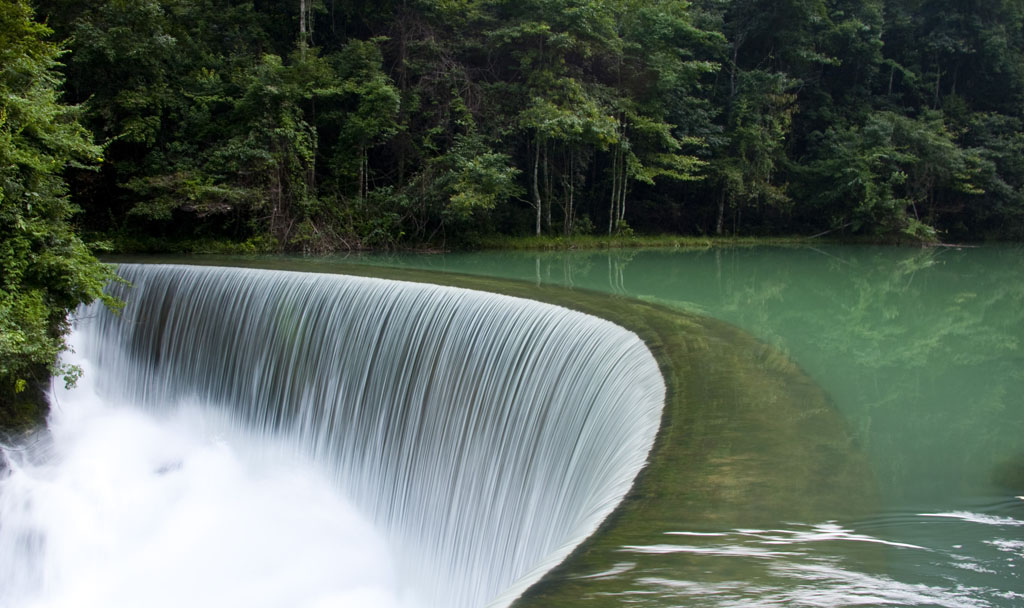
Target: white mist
[{"x": 121, "y": 507}]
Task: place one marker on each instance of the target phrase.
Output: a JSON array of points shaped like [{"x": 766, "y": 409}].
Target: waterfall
[{"x": 482, "y": 436}]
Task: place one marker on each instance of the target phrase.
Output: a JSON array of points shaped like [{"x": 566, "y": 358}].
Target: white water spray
[
  {"x": 120, "y": 507},
  {"x": 481, "y": 437}
]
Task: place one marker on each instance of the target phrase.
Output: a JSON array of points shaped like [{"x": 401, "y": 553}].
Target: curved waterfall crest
[{"x": 485, "y": 436}]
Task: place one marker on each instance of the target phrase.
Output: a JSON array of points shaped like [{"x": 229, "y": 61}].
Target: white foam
[
  {"x": 128, "y": 509},
  {"x": 977, "y": 518}
]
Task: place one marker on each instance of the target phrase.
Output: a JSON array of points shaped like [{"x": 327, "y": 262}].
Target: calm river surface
[{"x": 922, "y": 352}]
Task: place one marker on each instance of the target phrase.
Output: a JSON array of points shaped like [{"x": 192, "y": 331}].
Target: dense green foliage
[
  {"x": 316, "y": 125},
  {"x": 45, "y": 269}
]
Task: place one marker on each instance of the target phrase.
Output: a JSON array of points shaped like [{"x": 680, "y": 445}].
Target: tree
[
  {"x": 893, "y": 175},
  {"x": 759, "y": 118},
  {"x": 658, "y": 85},
  {"x": 47, "y": 269},
  {"x": 366, "y": 112},
  {"x": 552, "y": 48},
  {"x": 603, "y": 83}
]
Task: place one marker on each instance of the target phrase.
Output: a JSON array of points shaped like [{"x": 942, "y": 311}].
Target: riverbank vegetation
[
  {"x": 320, "y": 125},
  {"x": 45, "y": 268}
]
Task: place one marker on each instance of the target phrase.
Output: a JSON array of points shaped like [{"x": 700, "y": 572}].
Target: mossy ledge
[{"x": 746, "y": 438}]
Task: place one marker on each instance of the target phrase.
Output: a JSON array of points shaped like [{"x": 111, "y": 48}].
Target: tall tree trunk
[
  {"x": 400, "y": 141},
  {"x": 547, "y": 189},
  {"x": 734, "y": 67},
  {"x": 570, "y": 211},
  {"x": 721, "y": 213},
  {"x": 364, "y": 166},
  {"x": 623, "y": 183},
  {"x": 615, "y": 193},
  {"x": 536, "y": 184},
  {"x": 570, "y": 186},
  {"x": 305, "y": 23}
]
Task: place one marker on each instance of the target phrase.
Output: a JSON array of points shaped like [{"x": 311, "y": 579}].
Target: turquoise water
[{"x": 921, "y": 351}]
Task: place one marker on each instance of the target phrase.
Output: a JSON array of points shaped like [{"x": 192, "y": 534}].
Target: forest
[
  {"x": 319, "y": 125},
  {"x": 329, "y": 125}
]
